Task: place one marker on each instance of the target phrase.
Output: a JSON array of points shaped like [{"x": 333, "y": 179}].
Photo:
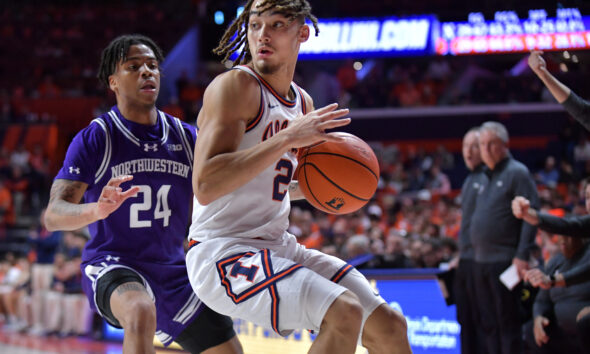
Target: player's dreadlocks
[
  {"x": 292, "y": 9},
  {"x": 117, "y": 51}
]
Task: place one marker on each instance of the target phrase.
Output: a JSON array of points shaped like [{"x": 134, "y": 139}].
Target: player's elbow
[
  {"x": 203, "y": 192},
  {"x": 48, "y": 221}
]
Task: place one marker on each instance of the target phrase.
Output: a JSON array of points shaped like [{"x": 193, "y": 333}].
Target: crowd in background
[{"x": 413, "y": 221}]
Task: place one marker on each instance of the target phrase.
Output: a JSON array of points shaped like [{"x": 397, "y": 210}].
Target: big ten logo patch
[{"x": 174, "y": 147}]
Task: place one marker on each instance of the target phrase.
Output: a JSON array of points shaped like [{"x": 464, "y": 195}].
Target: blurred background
[{"x": 416, "y": 74}]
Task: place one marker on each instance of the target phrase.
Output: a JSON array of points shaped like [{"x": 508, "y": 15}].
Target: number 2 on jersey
[
  {"x": 285, "y": 168},
  {"x": 162, "y": 211}
]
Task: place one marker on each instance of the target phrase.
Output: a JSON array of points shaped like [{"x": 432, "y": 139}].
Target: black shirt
[
  {"x": 578, "y": 108},
  {"x": 496, "y": 235},
  {"x": 575, "y": 226},
  {"x": 473, "y": 183},
  {"x": 565, "y": 303}
]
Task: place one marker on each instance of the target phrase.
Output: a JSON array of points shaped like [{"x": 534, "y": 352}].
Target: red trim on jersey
[
  {"x": 341, "y": 273},
  {"x": 192, "y": 243},
  {"x": 303, "y": 106},
  {"x": 281, "y": 99},
  {"x": 256, "y": 120}
]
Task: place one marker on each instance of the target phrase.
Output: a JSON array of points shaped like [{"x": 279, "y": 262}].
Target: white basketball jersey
[{"x": 260, "y": 208}]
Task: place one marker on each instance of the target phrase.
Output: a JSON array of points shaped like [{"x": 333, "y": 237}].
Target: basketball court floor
[{"x": 22, "y": 343}]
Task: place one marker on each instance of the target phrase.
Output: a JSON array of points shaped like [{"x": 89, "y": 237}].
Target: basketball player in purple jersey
[
  {"x": 241, "y": 261},
  {"x": 134, "y": 268}
]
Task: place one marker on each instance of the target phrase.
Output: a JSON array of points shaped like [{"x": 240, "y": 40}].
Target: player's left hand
[{"x": 112, "y": 196}]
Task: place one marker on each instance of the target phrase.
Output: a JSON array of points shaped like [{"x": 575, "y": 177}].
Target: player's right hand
[
  {"x": 541, "y": 336},
  {"x": 310, "y": 128},
  {"x": 520, "y": 207},
  {"x": 537, "y": 278},
  {"x": 537, "y": 63},
  {"x": 112, "y": 196}
]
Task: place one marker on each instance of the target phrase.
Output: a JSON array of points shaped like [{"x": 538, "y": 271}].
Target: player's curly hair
[
  {"x": 117, "y": 51},
  {"x": 292, "y": 9}
]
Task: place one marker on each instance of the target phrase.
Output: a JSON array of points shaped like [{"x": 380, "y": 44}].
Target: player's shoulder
[
  {"x": 234, "y": 93},
  {"x": 233, "y": 82}
]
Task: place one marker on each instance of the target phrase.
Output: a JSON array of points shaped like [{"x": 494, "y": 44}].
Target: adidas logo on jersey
[
  {"x": 147, "y": 147},
  {"x": 74, "y": 170}
]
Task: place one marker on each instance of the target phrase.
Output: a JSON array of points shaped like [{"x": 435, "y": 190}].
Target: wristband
[{"x": 552, "y": 280}]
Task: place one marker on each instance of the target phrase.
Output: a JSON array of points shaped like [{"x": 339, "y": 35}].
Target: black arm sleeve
[
  {"x": 577, "y": 275},
  {"x": 578, "y": 108},
  {"x": 543, "y": 305},
  {"x": 576, "y": 226}
]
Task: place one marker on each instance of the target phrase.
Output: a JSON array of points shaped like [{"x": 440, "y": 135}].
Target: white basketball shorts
[{"x": 276, "y": 284}]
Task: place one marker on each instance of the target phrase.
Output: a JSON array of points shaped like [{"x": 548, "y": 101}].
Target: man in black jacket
[
  {"x": 500, "y": 240},
  {"x": 464, "y": 283}
]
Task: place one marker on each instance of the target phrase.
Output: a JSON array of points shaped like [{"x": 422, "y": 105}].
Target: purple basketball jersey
[{"x": 146, "y": 232}]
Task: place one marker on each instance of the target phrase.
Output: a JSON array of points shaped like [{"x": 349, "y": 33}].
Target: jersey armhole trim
[{"x": 107, "y": 153}]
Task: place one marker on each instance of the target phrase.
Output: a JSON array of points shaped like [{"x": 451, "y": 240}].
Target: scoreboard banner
[
  {"x": 424, "y": 35},
  {"x": 370, "y": 38},
  {"x": 507, "y": 33}
]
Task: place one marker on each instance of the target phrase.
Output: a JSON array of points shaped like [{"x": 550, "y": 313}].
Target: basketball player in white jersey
[{"x": 241, "y": 261}]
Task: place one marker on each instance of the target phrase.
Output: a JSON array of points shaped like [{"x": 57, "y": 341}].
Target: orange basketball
[{"x": 338, "y": 178}]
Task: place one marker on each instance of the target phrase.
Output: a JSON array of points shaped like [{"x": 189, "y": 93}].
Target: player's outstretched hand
[
  {"x": 537, "y": 63},
  {"x": 112, "y": 196},
  {"x": 520, "y": 207},
  {"x": 311, "y": 128}
]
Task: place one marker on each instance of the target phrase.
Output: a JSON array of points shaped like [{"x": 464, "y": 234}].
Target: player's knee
[
  {"x": 140, "y": 317},
  {"x": 391, "y": 328},
  {"x": 345, "y": 315}
]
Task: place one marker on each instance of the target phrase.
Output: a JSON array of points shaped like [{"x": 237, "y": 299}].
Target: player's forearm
[
  {"x": 62, "y": 215},
  {"x": 557, "y": 89},
  {"x": 224, "y": 173}
]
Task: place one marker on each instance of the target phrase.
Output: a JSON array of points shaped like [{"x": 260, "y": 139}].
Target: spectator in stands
[
  {"x": 472, "y": 339},
  {"x": 67, "y": 308},
  {"x": 558, "y": 324},
  {"x": 45, "y": 245},
  {"x": 6, "y": 207},
  {"x": 13, "y": 289},
  {"x": 19, "y": 187},
  {"x": 438, "y": 182},
  {"x": 549, "y": 175},
  {"x": 500, "y": 240},
  {"x": 394, "y": 255},
  {"x": 20, "y": 157}
]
